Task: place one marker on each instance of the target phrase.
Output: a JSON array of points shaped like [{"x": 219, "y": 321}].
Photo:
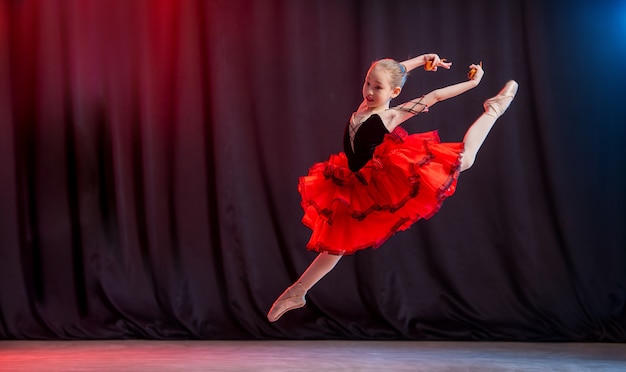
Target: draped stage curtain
[{"x": 150, "y": 153}]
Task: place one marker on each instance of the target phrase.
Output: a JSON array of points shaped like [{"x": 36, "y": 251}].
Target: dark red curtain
[{"x": 150, "y": 151}]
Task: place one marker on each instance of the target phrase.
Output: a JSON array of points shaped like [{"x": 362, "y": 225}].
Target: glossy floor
[{"x": 134, "y": 355}]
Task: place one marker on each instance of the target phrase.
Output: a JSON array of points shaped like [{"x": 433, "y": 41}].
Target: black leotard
[{"x": 369, "y": 135}]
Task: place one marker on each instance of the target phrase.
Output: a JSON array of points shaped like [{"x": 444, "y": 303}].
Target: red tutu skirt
[{"x": 408, "y": 178}]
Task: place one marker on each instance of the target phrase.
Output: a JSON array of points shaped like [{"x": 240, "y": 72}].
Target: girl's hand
[
  {"x": 476, "y": 73},
  {"x": 432, "y": 61}
]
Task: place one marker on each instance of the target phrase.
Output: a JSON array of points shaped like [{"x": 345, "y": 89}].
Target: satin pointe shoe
[
  {"x": 496, "y": 106},
  {"x": 292, "y": 298}
]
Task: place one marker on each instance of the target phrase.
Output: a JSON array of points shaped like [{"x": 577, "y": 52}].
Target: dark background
[{"x": 150, "y": 151}]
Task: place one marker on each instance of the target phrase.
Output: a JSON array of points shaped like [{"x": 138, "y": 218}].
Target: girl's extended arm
[
  {"x": 453, "y": 90},
  {"x": 401, "y": 113},
  {"x": 416, "y": 62}
]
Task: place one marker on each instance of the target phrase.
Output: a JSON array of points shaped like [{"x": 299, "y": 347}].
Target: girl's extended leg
[
  {"x": 476, "y": 134},
  {"x": 293, "y": 297}
]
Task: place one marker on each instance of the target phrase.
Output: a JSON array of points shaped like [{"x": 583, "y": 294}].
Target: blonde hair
[{"x": 397, "y": 71}]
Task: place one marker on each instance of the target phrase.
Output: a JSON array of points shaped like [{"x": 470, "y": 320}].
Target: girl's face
[{"x": 377, "y": 91}]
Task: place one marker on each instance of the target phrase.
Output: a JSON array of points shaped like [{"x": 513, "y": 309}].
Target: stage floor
[{"x": 135, "y": 355}]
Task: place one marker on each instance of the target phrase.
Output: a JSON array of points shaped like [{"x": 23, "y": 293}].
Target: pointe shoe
[
  {"x": 291, "y": 299},
  {"x": 496, "y": 106}
]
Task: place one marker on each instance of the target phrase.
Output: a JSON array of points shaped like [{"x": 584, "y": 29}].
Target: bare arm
[
  {"x": 453, "y": 90},
  {"x": 416, "y": 62},
  {"x": 401, "y": 113}
]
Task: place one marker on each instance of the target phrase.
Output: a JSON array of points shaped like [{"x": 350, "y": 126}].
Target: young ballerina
[{"x": 385, "y": 180}]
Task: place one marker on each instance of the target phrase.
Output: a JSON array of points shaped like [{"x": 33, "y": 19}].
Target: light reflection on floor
[{"x": 135, "y": 355}]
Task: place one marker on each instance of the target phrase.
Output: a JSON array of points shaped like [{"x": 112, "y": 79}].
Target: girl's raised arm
[
  {"x": 413, "y": 107},
  {"x": 436, "y": 61}
]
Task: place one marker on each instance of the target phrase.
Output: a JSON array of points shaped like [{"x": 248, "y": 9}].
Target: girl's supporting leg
[
  {"x": 293, "y": 297},
  {"x": 476, "y": 134}
]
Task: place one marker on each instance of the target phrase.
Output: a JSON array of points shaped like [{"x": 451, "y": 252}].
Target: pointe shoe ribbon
[
  {"x": 291, "y": 299},
  {"x": 497, "y": 105}
]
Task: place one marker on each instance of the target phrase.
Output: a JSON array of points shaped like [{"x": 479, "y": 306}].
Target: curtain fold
[{"x": 150, "y": 153}]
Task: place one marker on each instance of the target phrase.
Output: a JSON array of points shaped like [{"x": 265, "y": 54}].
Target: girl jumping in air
[{"x": 385, "y": 180}]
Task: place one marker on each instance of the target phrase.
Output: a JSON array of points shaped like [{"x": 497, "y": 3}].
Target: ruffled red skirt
[{"x": 408, "y": 178}]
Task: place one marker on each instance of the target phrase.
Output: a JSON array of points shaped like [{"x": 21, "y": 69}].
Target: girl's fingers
[
  {"x": 473, "y": 70},
  {"x": 435, "y": 63},
  {"x": 430, "y": 65}
]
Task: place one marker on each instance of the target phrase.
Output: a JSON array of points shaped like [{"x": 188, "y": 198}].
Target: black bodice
[{"x": 369, "y": 135}]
